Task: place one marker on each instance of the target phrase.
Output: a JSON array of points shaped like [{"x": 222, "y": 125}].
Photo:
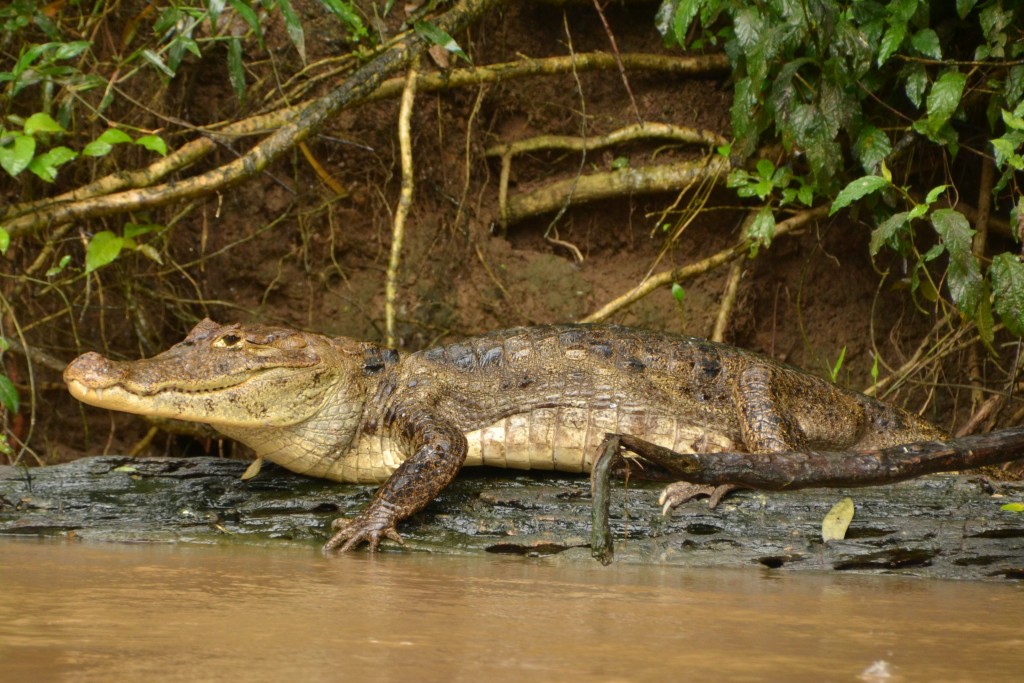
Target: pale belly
[{"x": 563, "y": 438}]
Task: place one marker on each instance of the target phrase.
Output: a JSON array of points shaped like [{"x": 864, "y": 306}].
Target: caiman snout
[{"x": 93, "y": 370}]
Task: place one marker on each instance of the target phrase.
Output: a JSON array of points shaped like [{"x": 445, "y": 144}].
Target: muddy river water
[{"x": 107, "y": 612}]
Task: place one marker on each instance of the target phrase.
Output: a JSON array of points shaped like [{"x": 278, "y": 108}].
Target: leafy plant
[
  {"x": 8, "y": 392},
  {"x": 106, "y": 246},
  {"x": 773, "y": 186},
  {"x": 18, "y": 150},
  {"x": 833, "y": 371},
  {"x": 848, "y": 89}
]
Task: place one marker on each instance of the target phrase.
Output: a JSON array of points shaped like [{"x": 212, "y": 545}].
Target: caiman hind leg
[
  {"x": 440, "y": 452},
  {"x": 765, "y": 424}
]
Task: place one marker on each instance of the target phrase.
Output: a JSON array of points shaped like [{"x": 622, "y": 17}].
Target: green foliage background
[{"x": 865, "y": 98}]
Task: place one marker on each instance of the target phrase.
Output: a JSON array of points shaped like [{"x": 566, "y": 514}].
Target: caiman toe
[
  {"x": 351, "y": 533},
  {"x": 681, "y": 492}
]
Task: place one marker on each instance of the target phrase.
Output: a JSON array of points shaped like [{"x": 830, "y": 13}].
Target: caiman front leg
[{"x": 440, "y": 452}]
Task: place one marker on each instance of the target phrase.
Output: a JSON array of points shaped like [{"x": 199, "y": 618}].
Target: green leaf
[
  {"x": 157, "y": 61},
  {"x": 154, "y": 143},
  {"x": 15, "y": 159},
  {"x": 833, "y": 372},
  {"x": 437, "y": 36},
  {"x": 103, "y": 248},
  {"x": 249, "y": 16},
  {"x": 5, "y": 240},
  {"x": 888, "y": 233},
  {"x": 1007, "y": 275},
  {"x": 1012, "y": 507},
  {"x": 1013, "y": 89},
  {"x": 738, "y": 178},
  {"x": 806, "y": 195},
  {"x": 8, "y": 394},
  {"x": 857, "y": 189},
  {"x": 964, "y": 7},
  {"x": 45, "y": 165},
  {"x": 294, "y": 27},
  {"x": 921, "y": 282},
  {"x": 41, "y": 123},
  {"x": 944, "y": 97},
  {"x": 61, "y": 265},
  {"x": 97, "y": 148},
  {"x": 133, "y": 230},
  {"x": 236, "y": 72},
  {"x": 871, "y": 147},
  {"x": 902, "y": 10},
  {"x": 935, "y": 252},
  {"x": 891, "y": 41},
  {"x": 964, "y": 275},
  {"x": 71, "y": 50},
  {"x": 345, "y": 12},
  {"x": 678, "y": 292},
  {"x": 765, "y": 168},
  {"x": 113, "y": 136},
  {"x": 1012, "y": 120},
  {"x": 917, "y": 211},
  {"x": 934, "y": 193},
  {"x": 761, "y": 230},
  {"x": 685, "y": 12},
  {"x": 915, "y": 79},
  {"x": 926, "y": 42}
]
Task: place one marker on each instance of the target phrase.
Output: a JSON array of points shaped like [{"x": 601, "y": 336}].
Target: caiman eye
[{"x": 229, "y": 340}]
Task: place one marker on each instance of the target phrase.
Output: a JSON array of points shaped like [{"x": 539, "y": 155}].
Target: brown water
[{"x": 168, "y": 613}]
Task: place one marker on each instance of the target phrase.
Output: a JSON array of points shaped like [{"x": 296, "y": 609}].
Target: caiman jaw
[
  {"x": 230, "y": 376},
  {"x": 217, "y": 400}
]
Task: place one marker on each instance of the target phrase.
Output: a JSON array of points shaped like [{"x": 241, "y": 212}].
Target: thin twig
[
  {"x": 667, "y": 277},
  {"x": 618, "y": 61},
  {"x": 974, "y": 370},
  {"x": 732, "y": 285}
]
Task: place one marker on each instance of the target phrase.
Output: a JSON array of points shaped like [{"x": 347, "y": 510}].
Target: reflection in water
[{"x": 99, "y": 612}]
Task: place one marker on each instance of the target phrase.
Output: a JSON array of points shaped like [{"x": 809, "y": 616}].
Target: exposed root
[
  {"x": 99, "y": 199},
  {"x": 595, "y": 186},
  {"x": 358, "y": 87}
]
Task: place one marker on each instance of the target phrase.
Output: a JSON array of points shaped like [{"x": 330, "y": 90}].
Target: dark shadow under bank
[{"x": 941, "y": 526}]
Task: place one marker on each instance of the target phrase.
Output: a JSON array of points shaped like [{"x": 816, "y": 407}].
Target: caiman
[{"x": 534, "y": 397}]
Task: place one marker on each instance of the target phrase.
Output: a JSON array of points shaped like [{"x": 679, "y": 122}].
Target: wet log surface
[{"x": 945, "y": 526}]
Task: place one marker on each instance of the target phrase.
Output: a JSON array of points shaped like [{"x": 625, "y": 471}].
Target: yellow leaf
[
  {"x": 254, "y": 468},
  {"x": 837, "y": 521}
]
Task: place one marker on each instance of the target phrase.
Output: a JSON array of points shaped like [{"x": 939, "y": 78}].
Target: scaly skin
[{"x": 540, "y": 397}]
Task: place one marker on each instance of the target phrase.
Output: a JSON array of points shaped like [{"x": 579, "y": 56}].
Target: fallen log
[
  {"x": 937, "y": 526},
  {"x": 792, "y": 470}
]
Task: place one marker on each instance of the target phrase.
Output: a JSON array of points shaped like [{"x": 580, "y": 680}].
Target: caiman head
[{"x": 232, "y": 377}]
